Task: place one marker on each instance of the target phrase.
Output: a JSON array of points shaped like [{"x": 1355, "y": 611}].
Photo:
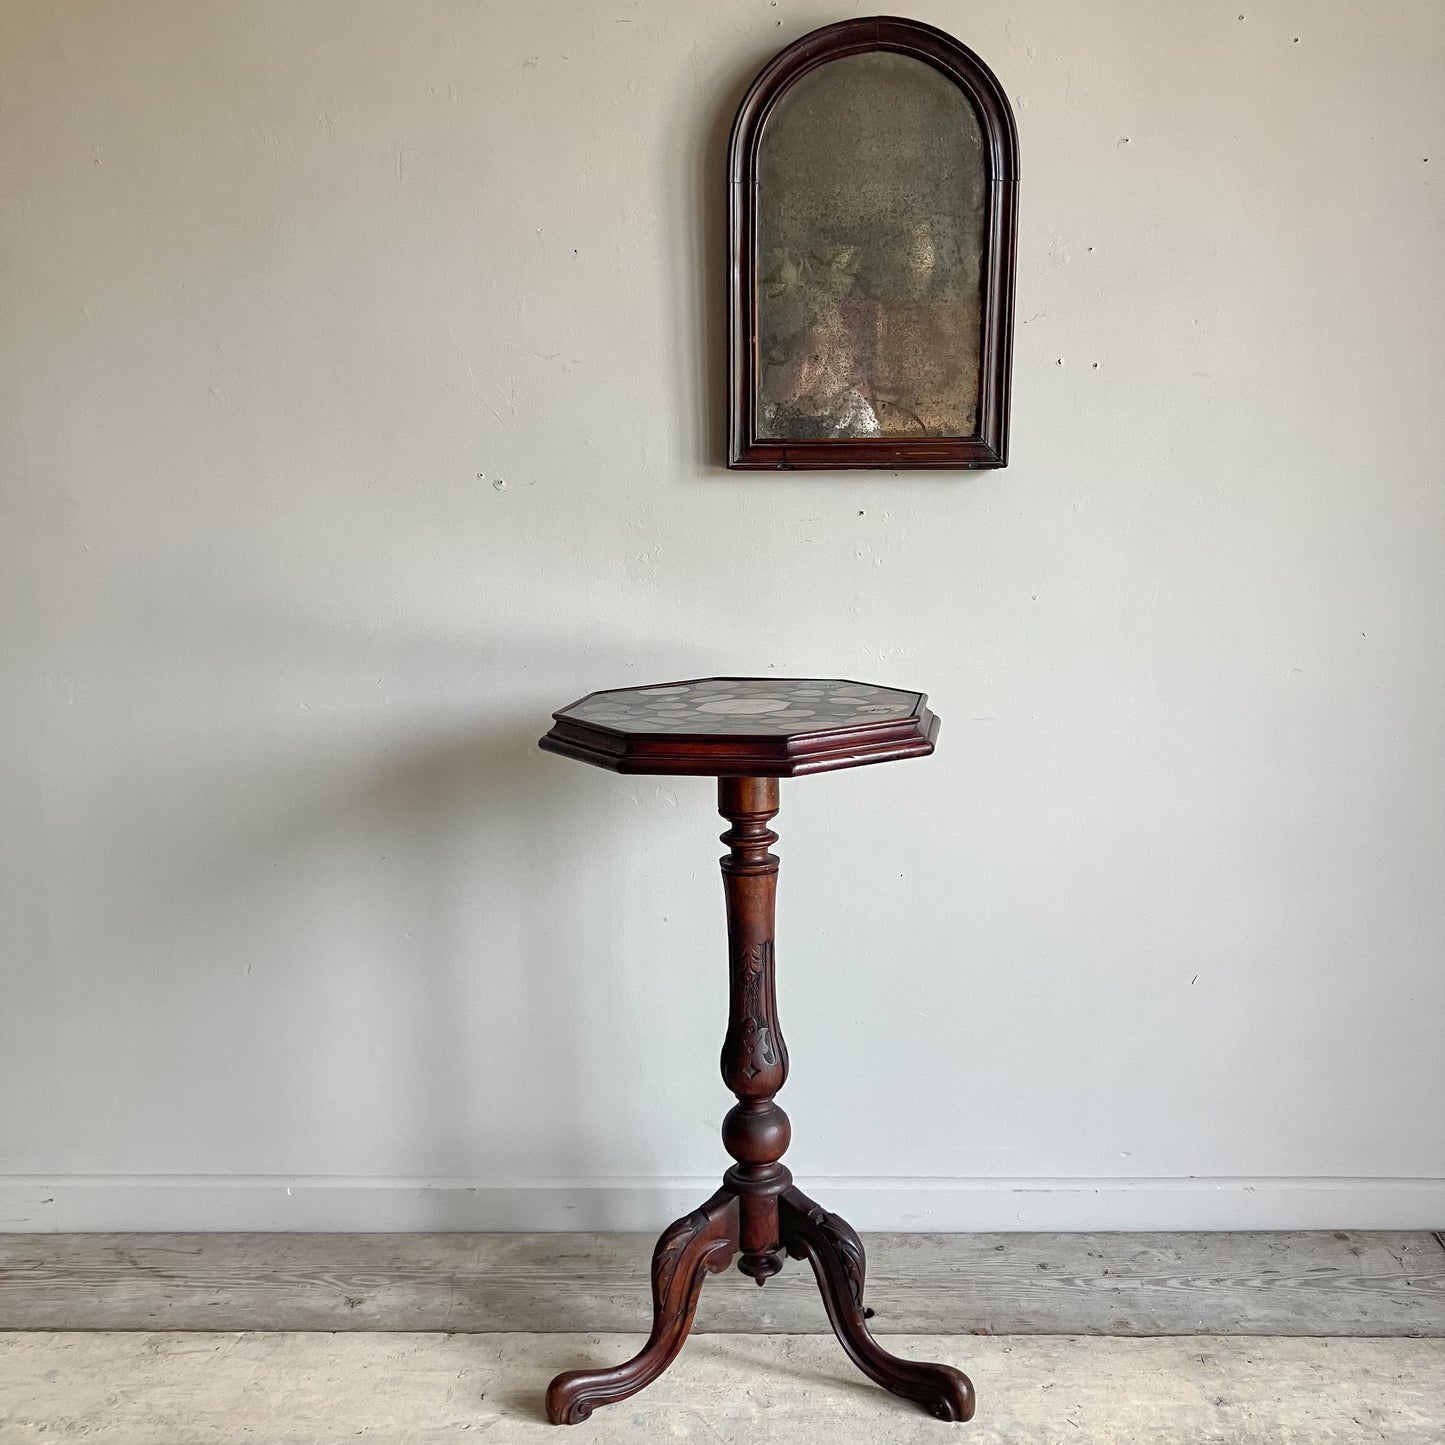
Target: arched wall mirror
[{"x": 872, "y": 177}]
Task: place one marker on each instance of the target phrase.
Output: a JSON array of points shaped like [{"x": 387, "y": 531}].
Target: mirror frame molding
[{"x": 988, "y": 446}]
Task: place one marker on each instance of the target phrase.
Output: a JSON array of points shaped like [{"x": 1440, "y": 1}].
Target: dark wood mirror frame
[{"x": 988, "y": 445}]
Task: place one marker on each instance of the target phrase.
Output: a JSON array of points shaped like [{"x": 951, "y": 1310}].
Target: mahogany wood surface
[
  {"x": 822, "y": 743},
  {"x": 757, "y": 1216}
]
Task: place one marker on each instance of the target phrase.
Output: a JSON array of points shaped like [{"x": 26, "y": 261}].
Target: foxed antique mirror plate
[
  {"x": 871, "y": 233},
  {"x": 873, "y": 171}
]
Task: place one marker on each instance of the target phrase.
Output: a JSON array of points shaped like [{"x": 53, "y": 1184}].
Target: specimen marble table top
[{"x": 751, "y": 705}]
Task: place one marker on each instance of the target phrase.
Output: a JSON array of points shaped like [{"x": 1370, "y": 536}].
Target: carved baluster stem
[{"x": 754, "y": 1057}]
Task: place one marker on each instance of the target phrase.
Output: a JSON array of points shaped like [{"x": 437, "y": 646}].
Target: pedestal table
[{"x": 749, "y": 732}]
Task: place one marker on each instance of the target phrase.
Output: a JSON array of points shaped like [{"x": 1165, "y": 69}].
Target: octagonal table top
[{"x": 744, "y": 726}]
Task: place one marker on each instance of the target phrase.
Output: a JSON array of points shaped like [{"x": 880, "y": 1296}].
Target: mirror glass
[{"x": 871, "y": 233}]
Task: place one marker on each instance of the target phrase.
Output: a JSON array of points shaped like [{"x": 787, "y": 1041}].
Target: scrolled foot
[
  {"x": 829, "y": 1244},
  {"x": 702, "y": 1242},
  {"x": 567, "y": 1402}
]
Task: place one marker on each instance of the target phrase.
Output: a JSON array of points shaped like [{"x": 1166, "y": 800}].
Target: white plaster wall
[{"x": 300, "y": 930}]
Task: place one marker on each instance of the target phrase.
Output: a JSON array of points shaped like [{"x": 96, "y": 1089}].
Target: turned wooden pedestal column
[{"x": 750, "y": 732}]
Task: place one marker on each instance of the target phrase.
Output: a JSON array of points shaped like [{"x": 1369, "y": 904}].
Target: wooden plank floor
[
  {"x": 1314, "y": 1284},
  {"x": 316, "y": 1389}
]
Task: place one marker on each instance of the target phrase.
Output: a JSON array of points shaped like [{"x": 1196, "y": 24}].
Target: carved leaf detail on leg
[
  {"x": 849, "y": 1250},
  {"x": 671, "y": 1248}
]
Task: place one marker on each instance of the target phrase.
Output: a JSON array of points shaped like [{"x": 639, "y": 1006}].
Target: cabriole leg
[
  {"x": 703, "y": 1242},
  {"x": 829, "y": 1244}
]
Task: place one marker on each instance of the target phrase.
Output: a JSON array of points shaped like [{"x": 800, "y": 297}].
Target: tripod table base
[{"x": 706, "y": 1242}]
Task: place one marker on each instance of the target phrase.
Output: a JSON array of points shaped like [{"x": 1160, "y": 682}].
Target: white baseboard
[{"x": 206, "y": 1203}]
